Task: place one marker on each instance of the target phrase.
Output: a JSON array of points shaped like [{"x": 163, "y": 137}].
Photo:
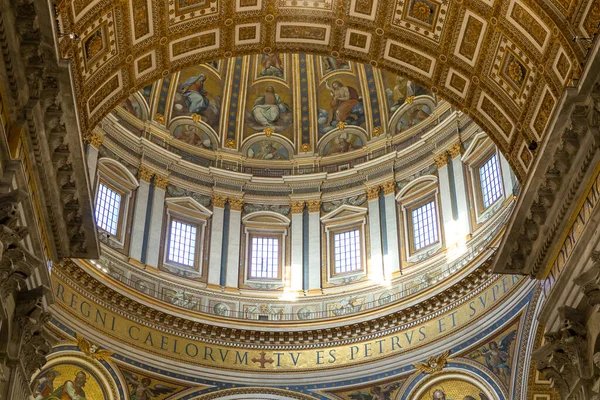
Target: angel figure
[
  {"x": 498, "y": 354},
  {"x": 92, "y": 350},
  {"x": 142, "y": 390},
  {"x": 383, "y": 392}
]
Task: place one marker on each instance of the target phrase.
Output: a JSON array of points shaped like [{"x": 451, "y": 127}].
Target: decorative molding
[
  {"x": 313, "y": 206},
  {"x": 94, "y": 139},
  {"x": 455, "y": 150},
  {"x": 389, "y": 187},
  {"x": 219, "y": 201}
]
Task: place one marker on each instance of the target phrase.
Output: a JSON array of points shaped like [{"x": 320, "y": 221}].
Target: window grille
[
  {"x": 425, "y": 228},
  {"x": 264, "y": 261},
  {"x": 347, "y": 251},
  {"x": 108, "y": 203},
  {"x": 491, "y": 184},
  {"x": 182, "y": 243}
]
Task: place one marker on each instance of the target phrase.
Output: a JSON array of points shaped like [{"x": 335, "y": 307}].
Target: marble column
[
  {"x": 140, "y": 210},
  {"x": 216, "y": 240},
  {"x": 448, "y": 221},
  {"x": 156, "y": 220},
  {"x": 460, "y": 192},
  {"x": 392, "y": 258},
  {"x": 95, "y": 141},
  {"x": 508, "y": 179},
  {"x": 233, "y": 245},
  {"x": 296, "y": 278},
  {"x": 375, "y": 261},
  {"x": 314, "y": 244}
]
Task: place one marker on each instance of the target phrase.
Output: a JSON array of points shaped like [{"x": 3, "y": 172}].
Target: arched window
[
  {"x": 419, "y": 203},
  {"x": 114, "y": 191}
]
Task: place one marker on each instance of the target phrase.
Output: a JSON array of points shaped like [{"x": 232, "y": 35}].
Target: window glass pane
[
  {"x": 108, "y": 203},
  {"x": 491, "y": 184},
  {"x": 182, "y": 243},
  {"x": 264, "y": 258},
  {"x": 346, "y": 251},
  {"x": 425, "y": 228}
]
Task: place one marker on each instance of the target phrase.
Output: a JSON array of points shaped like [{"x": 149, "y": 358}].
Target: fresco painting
[
  {"x": 268, "y": 107},
  {"x": 342, "y": 143},
  {"x": 268, "y": 150},
  {"x": 133, "y": 106},
  {"x": 68, "y": 381},
  {"x": 198, "y": 93},
  {"x": 271, "y": 64},
  {"x": 497, "y": 354},
  {"x": 340, "y": 101},
  {"x": 453, "y": 389},
  {"x": 413, "y": 116},
  {"x": 193, "y": 135},
  {"x": 400, "y": 91},
  {"x": 331, "y": 64}
]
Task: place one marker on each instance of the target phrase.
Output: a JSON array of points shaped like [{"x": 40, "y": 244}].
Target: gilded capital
[
  {"x": 373, "y": 193},
  {"x": 313, "y": 205},
  {"x": 219, "y": 201},
  {"x": 389, "y": 187},
  {"x": 441, "y": 159},
  {"x": 145, "y": 174},
  {"x": 161, "y": 182},
  {"x": 455, "y": 150},
  {"x": 297, "y": 207},
  {"x": 236, "y": 204},
  {"x": 95, "y": 140}
]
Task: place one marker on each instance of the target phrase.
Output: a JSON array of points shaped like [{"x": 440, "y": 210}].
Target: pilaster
[
  {"x": 216, "y": 240},
  {"x": 156, "y": 221},
  {"x": 140, "y": 214},
  {"x": 233, "y": 245},
  {"x": 296, "y": 273},
  {"x": 392, "y": 259},
  {"x": 375, "y": 261},
  {"x": 314, "y": 242}
]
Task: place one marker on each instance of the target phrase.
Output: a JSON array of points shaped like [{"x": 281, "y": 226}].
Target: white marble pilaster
[
  {"x": 462, "y": 204},
  {"x": 138, "y": 226},
  {"x": 216, "y": 240},
  {"x": 392, "y": 259},
  {"x": 296, "y": 277},
  {"x": 314, "y": 244},
  {"x": 156, "y": 221},
  {"x": 450, "y": 226},
  {"x": 233, "y": 245},
  {"x": 375, "y": 262}
]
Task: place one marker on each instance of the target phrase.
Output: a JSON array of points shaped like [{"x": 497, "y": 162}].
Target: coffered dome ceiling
[
  {"x": 506, "y": 67},
  {"x": 272, "y": 108}
]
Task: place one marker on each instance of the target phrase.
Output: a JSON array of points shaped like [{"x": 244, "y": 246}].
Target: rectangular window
[
  {"x": 182, "y": 243},
  {"x": 108, "y": 204},
  {"x": 491, "y": 184},
  {"x": 425, "y": 228},
  {"x": 264, "y": 259},
  {"x": 346, "y": 247}
]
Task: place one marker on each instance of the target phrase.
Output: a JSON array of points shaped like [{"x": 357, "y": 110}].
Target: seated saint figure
[
  {"x": 268, "y": 108},
  {"x": 343, "y": 100},
  {"x": 195, "y": 95}
]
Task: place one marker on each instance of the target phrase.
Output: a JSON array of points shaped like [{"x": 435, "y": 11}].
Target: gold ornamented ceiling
[{"x": 505, "y": 62}]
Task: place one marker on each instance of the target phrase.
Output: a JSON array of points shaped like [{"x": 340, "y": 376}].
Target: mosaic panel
[
  {"x": 194, "y": 44},
  {"x": 105, "y": 92},
  {"x": 97, "y": 45},
  {"x": 424, "y": 17},
  {"x": 409, "y": 57},
  {"x": 365, "y": 9},
  {"x": 247, "y": 34},
  {"x": 496, "y": 116},
  {"x": 358, "y": 40},
  {"x": 302, "y": 33},
  {"x": 141, "y": 20},
  {"x": 185, "y": 10},
  {"x": 562, "y": 66}
]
